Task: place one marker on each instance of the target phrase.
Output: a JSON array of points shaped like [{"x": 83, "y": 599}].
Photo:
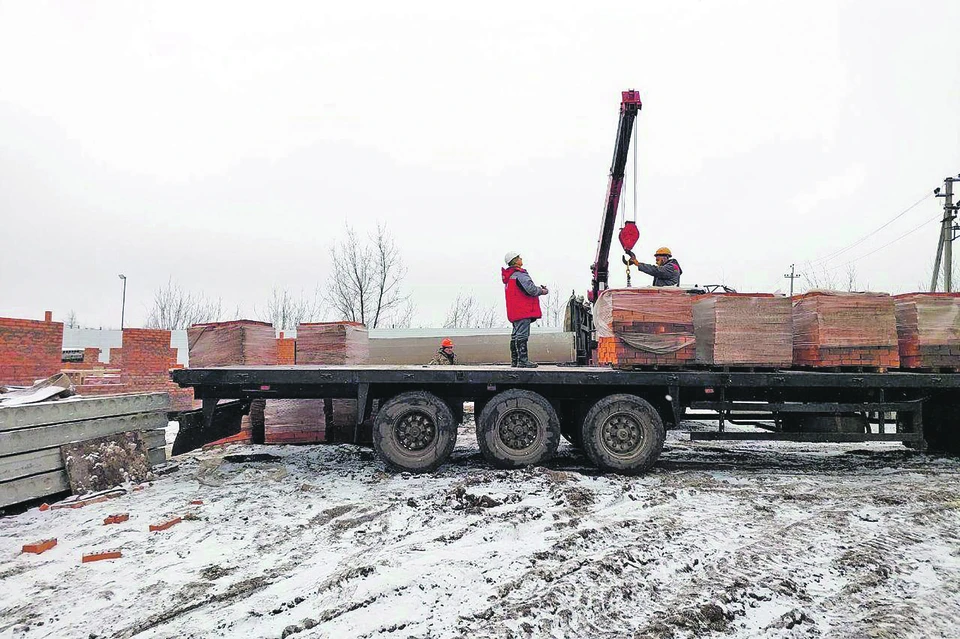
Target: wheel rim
[
  {"x": 622, "y": 434},
  {"x": 415, "y": 430},
  {"x": 518, "y": 429}
]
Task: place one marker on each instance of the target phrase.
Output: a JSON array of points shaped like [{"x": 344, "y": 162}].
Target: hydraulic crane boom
[{"x": 629, "y": 106}]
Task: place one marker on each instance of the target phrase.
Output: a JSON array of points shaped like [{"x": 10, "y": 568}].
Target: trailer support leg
[
  {"x": 364, "y": 405},
  {"x": 208, "y": 407}
]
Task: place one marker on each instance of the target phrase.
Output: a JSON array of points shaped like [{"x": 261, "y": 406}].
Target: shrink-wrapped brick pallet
[
  {"x": 295, "y": 421},
  {"x": 332, "y": 343},
  {"x": 645, "y": 327},
  {"x": 235, "y": 343},
  {"x": 928, "y": 329},
  {"x": 737, "y": 329},
  {"x": 306, "y": 421},
  {"x": 835, "y": 329}
]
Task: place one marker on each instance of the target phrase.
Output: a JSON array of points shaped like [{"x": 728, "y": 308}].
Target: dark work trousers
[{"x": 521, "y": 330}]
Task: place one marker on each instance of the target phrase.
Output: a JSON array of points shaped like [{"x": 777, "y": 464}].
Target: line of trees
[{"x": 366, "y": 285}]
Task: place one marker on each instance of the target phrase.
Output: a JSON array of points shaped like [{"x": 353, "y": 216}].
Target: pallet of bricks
[
  {"x": 833, "y": 329},
  {"x": 928, "y": 330},
  {"x": 236, "y": 343},
  {"x": 32, "y": 437},
  {"x": 305, "y": 421},
  {"x": 743, "y": 330},
  {"x": 645, "y": 327}
]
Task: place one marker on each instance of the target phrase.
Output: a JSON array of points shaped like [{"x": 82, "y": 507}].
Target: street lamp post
[{"x": 123, "y": 300}]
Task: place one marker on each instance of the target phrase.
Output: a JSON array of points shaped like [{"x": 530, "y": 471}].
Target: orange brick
[
  {"x": 165, "y": 525},
  {"x": 40, "y": 546}
]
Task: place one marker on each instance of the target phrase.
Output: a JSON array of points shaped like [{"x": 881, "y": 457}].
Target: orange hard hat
[
  {"x": 446, "y": 343},
  {"x": 663, "y": 250}
]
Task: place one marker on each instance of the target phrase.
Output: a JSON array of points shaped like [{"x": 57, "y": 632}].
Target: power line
[
  {"x": 875, "y": 231},
  {"x": 910, "y": 232}
]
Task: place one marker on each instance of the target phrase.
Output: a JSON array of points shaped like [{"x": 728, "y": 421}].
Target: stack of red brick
[
  {"x": 286, "y": 350},
  {"x": 834, "y": 329},
  {"x": 928, "y": 329},
  {"x": 645, "y": 327},
  {"x": 236, "y": 343},
  {"x": 29, "y": 349},
  {"x": 304, "y": 421},
  {"x": 332, "y": 343},
  {"x": 743, "y": 330}
]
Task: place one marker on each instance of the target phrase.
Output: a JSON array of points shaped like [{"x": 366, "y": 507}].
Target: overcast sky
[{"x": 225, "y": 145}]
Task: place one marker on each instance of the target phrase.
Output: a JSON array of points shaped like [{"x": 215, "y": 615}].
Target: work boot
[
  {"x": 513, "y": 353},
  {"x": 522, "y": 358}
]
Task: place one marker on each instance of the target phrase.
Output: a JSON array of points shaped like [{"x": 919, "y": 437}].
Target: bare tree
[
  {"x": 466, "y": 312},
  {"x": 175, "y": 309},
  {"x": 402, "y": 317},
  {"x": 71, "y": 321},
  {"x": 851, "y": 277},
  {"x": 366, "y": 284},
  {"x": 285, "y": 310},
  {"x": 820, "y": 278},
  {"x": 553, "y": 308}
]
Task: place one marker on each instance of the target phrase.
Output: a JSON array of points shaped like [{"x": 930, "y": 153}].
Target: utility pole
[
  {"x": 945, "y": 243},
  {"x": 792, "y": 276}
]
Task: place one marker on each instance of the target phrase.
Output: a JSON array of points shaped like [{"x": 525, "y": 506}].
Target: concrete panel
[
  {"x": 18, "y": 490},
  {"x": 80, "y": 408},
  {"x": 30, "y": 439},
  {"x": 546, "y": 348}
]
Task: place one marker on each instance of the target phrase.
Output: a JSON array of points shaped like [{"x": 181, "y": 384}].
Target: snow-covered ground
[{"x": 738, "y": 540}]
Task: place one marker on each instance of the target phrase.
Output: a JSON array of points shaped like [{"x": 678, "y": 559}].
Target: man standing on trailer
[
  {"x": 667, "y": 270},
  {"x": 523, "y": 307},
  {"x": 445, "y": 355}
]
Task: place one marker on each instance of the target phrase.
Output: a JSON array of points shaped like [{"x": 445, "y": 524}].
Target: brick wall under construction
[{"x": 29, "y": 349}]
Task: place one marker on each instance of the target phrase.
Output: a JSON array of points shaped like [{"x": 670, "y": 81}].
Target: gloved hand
[{"x": 544, "y": 290}]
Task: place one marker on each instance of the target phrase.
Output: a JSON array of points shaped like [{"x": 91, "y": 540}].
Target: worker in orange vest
[{"x": 445, "y": 355}]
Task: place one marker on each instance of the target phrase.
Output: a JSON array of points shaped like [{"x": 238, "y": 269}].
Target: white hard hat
[{"x": 510, "y": 256}]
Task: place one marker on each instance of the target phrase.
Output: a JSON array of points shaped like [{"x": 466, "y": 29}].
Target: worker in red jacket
[{"x": 523, "y": 307}]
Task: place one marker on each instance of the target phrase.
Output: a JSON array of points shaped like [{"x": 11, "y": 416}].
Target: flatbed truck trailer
[{"x": 617, "y": 417}]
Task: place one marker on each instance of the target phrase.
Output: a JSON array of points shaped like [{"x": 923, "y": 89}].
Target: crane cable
[{"x": 635, "y": 144}]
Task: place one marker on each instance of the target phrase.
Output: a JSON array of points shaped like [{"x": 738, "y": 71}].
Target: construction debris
[{"x": 31, "y": 436}]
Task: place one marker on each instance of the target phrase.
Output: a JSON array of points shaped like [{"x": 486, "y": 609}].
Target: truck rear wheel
[
  {"x": 623, "y": 434},
  {"x": 414, "y": 432},
  {"x": 518, "y": 428}
]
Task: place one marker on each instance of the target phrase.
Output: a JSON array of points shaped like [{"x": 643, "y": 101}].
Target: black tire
[
  {"x": 623, "y": 434},
  {"x": 414, "y": 432},
  {"x": 518, "y": 428}
]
